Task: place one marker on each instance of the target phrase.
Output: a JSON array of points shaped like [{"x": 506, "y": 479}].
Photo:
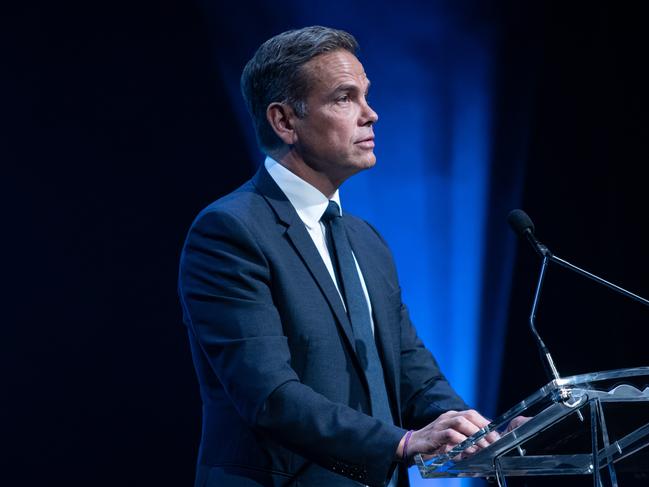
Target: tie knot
[{"x": 332, "y": 211}]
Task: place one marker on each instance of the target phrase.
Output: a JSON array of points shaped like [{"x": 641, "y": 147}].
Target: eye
[{"x": 343, "y": 99}]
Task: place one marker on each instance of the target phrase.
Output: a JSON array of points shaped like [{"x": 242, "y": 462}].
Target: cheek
[
  {"x": 348, "y": 129},
  {"x": 335, "y": 131},
  {"x": 336, "y": 138}
]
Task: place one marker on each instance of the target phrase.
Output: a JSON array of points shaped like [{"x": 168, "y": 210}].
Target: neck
[{"x": 292, "y": 161}]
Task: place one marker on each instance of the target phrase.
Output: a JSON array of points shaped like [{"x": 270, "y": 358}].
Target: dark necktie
[{"x": 350, "y": 287}]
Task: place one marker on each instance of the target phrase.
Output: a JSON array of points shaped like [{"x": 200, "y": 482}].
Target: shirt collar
[{"x": 309, "y": 203}]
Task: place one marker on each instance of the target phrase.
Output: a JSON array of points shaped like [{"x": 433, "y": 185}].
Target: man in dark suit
[{"x": 310, "y": 370}]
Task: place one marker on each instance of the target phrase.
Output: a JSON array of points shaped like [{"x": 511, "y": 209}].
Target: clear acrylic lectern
[{"x": 590, "y": 424}]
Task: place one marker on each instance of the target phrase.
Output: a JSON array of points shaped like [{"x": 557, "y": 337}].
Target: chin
[
  {"x": 370, "y": 162},
  {"x": 359, "y": 163},
  {"x": 363, "y": 165}
]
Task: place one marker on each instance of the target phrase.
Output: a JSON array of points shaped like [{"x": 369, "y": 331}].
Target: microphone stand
[
  {"x": 523, "y": 226},
  {"x": 548, "y": 257}
]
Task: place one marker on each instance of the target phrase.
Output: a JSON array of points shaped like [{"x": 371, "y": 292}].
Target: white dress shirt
[{"x": 310, "y": 204}]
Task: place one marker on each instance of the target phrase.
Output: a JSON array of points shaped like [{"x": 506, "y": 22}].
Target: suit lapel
[
  {"x": 305, "y": 247},
  {"x": 373, "y": 280}
]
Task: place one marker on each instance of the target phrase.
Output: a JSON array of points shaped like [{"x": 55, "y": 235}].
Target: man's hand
[
  {"x": 446, "y": 432},
  {"x": 516, "y": 422}
]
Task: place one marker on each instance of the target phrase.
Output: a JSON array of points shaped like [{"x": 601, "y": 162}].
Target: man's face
[{"x": 336, "y": 136}]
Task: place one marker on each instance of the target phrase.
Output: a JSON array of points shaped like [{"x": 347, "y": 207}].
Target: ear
[{"x": 280, "y": 116}]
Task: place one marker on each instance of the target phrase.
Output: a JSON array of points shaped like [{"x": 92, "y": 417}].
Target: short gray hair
[{"x": 275, "y": 74}]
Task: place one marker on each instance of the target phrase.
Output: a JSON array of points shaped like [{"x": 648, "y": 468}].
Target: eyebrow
[{"x": 349, "y": 87}]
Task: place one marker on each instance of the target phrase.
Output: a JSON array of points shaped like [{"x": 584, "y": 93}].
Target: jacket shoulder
[{"x": 242, "y": 203}]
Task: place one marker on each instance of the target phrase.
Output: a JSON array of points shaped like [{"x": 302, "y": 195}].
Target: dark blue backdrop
[{"x": 429, "y": 194}]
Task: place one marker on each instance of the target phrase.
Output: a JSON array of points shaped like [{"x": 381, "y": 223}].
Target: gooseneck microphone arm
[
  {"x": 551, "y": 369},
  {"x": 523, "y": 226}
]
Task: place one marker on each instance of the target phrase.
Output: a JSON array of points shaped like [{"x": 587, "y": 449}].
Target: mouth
[{"x": 367, "y": 142}]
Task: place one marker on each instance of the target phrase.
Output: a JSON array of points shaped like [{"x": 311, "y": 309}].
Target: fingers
[
  {"x": 470, "y": 451},
  {"x": 475, "y": 417},
  {"x": 462, "y": 425},
  {"x": 516, "y": 422},
  {"x": 435, "y": 439},
  {"x": 467, "y": 453},
  {"x": 481, "y": 422},
  {"x": 466, "y": 422},
  {"x": 492, "y": 436},
  {"x": 450, "y": 429},
  {"x": 453, "y": 439},
  {"x": 449, "y": 437}
]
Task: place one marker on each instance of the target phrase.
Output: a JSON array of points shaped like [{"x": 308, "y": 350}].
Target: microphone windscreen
[{"x": 519, "y": 221}]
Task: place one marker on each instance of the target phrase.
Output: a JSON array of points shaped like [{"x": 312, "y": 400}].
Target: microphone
[{"x": 523, "y": 226}]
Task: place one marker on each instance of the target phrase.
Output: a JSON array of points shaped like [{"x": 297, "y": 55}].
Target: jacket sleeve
[{"x": 225, "y": 289}]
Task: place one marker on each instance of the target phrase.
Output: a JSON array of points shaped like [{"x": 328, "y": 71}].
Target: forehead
[{"x": 329, "y": 70}]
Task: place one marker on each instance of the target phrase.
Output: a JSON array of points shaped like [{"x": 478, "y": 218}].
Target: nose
[{"x": 368, "y": 116}]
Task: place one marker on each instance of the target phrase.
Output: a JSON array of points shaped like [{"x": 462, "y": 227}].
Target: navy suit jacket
[{"x": 285, "y": 401}]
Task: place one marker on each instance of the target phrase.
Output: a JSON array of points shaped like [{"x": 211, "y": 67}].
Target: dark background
[
  {"x": 117, "y": 129},
  {"x": 586, "y": 189}
]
